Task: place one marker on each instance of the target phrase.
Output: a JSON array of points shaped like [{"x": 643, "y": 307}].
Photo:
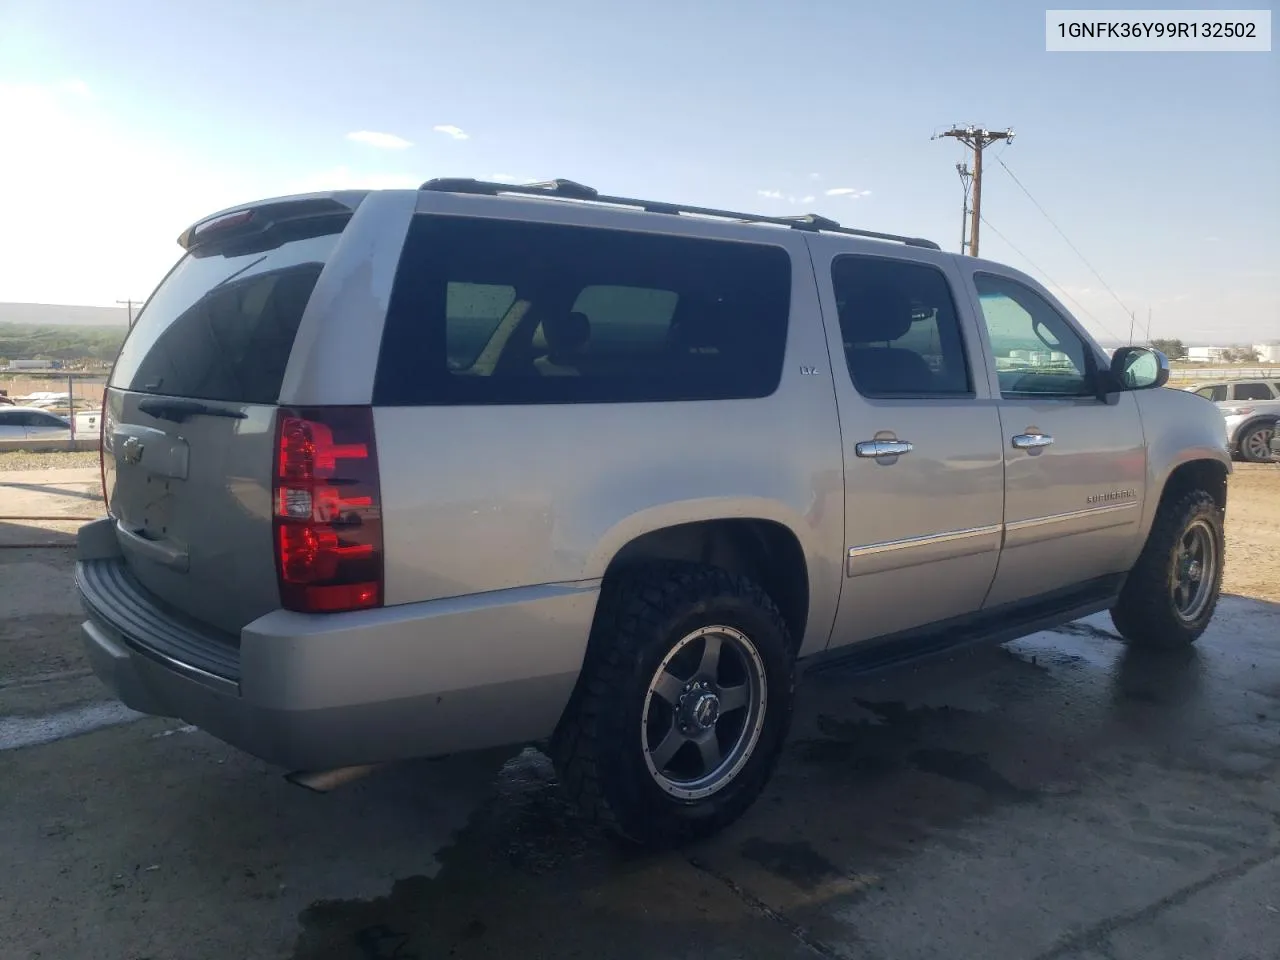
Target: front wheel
[
  {"x": 1255, "y": 443},
  {"x": 683, "y": 706},
  {"x": 1172, "y": 591}
]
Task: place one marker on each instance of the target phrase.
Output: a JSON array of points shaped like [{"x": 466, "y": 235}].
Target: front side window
[
  {"x": 498, "y": 311},
  {"x": 1037, "y": 353},
  {"x": 900, "y": 330}
]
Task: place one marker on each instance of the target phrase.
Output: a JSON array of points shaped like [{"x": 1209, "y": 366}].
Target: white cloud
[
  {"x": 851, "y": 192},
  {"x": 1212, "y": 239},
  {"x": 449, "y": 130},
  {"x": 815, "y": 176},
  {"x": 808, "y": 199},
  {"x": 383, "y": 141},
  {"x": 770, "y": 194}
]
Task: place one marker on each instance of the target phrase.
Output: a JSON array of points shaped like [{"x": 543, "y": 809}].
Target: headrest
[
  {"x": 877, "y": 313},
  {"x": 565, "y": 331}
]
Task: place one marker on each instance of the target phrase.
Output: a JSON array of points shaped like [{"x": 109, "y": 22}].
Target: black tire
[
  {"x": 1147, "y": 613},
  {"x": 1255, "y": 443},
  {"x": 600, "y": 748}
]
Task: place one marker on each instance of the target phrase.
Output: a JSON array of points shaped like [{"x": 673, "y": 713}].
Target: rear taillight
[{"x": 328, "y": 519}]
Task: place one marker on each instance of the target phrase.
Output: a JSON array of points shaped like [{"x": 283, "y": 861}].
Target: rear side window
[
  {"x": 496, "y": 312},
  {"x": 222, "y": 324},
  {"x": 1252, "y": 391}
]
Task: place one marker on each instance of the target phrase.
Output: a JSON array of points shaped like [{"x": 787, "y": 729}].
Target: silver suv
[
  {"x": 405, "y": 473},
  {"x": 1251, "y": 409}
]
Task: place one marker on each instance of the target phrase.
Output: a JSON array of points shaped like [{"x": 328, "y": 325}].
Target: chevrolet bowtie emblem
[{"x": 131, "y": 450}]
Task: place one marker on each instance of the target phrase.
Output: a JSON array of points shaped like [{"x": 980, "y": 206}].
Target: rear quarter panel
[{"x": 489, "y": 498}]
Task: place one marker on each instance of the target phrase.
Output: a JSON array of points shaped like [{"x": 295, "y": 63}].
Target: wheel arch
[
  {"x": 756, "y": 537},
  {"x": 1205, "y": 473},
  {"x": 1261, "y": 419}
]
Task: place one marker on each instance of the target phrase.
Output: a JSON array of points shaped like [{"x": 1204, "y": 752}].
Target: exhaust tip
[{"x": 324, "y": 781}]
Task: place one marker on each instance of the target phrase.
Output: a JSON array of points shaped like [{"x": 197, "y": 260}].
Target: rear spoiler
[{"x": 257, "y": 218}]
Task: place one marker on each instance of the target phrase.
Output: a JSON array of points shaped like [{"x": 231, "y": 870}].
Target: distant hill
[
  {"x": 52, "y": 314},
  {"x": 66, "y": 342}
]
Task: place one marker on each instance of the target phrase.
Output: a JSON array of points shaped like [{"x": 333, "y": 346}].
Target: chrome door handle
[
  {"x": 871, "y": 449},
  {"x": 1030, "y": 441}
]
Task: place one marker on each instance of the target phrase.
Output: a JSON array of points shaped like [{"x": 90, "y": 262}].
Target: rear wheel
[
  {"x": 683, "y": 706},
  {"x": 1255, "y": 443},
  {"x": 1172, "y": 591}
]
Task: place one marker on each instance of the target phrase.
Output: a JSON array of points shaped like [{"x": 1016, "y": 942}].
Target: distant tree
[
  {"x": 1173, "y": 349},
  {"x": 1242, "y": 355}
]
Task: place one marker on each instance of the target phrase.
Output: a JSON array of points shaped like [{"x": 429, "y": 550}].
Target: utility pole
[
  {"x": 976, "y": 139},
  {"x": 129, "y": 304},
  {"x": 966, "y": 178}
]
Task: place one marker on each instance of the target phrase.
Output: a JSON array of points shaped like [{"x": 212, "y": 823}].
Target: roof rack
[{"x": 570, "y": 190}]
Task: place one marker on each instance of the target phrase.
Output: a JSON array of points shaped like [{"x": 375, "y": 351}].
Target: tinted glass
[
  {"x": 580, "y": 315},
  {"x": 221, "y": 325},
  {"x": 1252, "y": 391},
  {"x": 899, "y": 327},
  {"x": 1036, "y": 350}
]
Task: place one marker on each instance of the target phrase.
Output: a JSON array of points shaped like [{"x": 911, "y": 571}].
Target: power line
[
  {"x": 1055, "y": 226},
  {"x": 1053, "y": 283}
]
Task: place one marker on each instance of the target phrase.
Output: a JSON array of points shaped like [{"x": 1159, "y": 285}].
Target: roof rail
[{"x": 571, "y": 190}]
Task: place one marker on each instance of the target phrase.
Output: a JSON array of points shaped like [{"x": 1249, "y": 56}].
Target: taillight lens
[{"x": 328, "y": 519}]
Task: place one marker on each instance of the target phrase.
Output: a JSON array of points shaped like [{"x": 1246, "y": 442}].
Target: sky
[{"x": 122, "y": 123}]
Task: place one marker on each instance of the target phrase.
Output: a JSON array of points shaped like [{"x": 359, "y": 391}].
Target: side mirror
[{"x": 1139, "y": 368}]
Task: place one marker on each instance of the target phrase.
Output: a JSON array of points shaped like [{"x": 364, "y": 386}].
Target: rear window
[
  {"x": 495, "y": 311},
  {"x": 222, "y": 324}
]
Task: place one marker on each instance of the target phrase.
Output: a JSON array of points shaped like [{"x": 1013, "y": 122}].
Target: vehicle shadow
[
  {"x": 18, "y": 534},
  {"x": 57, "y": 490}
]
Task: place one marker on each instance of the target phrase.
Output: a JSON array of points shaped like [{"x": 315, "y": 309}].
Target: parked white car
[{"x": 32, "y": 423}]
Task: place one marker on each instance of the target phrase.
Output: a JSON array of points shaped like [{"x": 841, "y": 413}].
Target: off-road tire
[
  {"x": 597, "y": 747},
  {"x": 1145, "y": 614}
]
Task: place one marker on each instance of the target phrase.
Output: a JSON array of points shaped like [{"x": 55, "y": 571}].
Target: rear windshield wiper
[{"x": 179, "y": 411}]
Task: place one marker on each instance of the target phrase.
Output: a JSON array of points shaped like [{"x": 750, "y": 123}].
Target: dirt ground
[
  {"x": 1253, "y": 532},
  {"x": 1057, "y": 798}
]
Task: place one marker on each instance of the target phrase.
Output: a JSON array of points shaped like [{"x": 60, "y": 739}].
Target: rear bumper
[{"x": 315, "y": 692}]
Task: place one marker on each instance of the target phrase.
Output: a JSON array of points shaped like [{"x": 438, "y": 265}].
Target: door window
[
  {"x": 1037, "y": 352},
  {"x": 1251, "y": 391},
  {"x": 1216, "y": 393},
  {"x": 900, "y": 329}
]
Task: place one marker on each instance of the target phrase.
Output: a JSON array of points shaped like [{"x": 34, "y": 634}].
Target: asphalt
[{"x": 1058, "y": 797}]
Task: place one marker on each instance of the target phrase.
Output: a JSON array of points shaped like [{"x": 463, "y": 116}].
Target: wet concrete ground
[{"x": 1060, "y": 797}]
